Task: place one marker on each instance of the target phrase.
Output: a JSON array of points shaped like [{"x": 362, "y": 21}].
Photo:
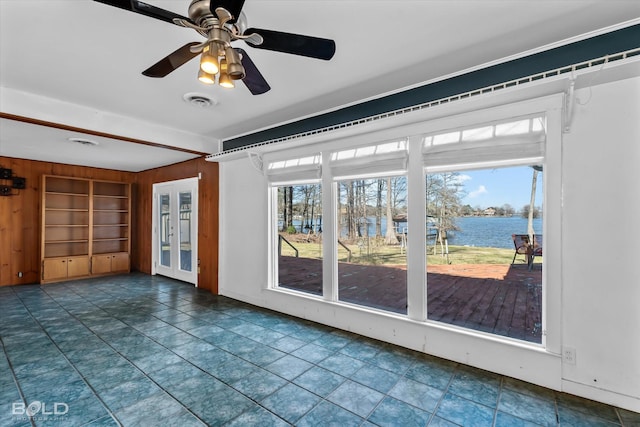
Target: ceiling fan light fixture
[
  {"x": 206, "y": 78},
  {"x": 234, "y": 65},
  {"x": 221, "y": 23},
  {"x": 225, "y": 80},
  {"x": 236, "y": 71},
  {"x": 209, "y": 60}
]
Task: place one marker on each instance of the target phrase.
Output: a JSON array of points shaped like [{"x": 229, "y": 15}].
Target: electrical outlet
[{"x": 569, "y": 355}]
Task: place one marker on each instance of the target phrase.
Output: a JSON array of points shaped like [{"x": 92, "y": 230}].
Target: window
[
  {"x": 484, "y": 227},
  {"x": 297, "y": 223},
  {"x": 372, "y": 252},
  {"x": 371, "y": 206},
  {"x": 299, "y": 237},
  {"x": 348, "y": 222}
]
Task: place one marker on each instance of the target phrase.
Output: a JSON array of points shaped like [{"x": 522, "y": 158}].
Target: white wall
[
  {"x": 600, "y": 312},
  {"x": 601, "y": 235},
  {"x": 243, "y": 231}
]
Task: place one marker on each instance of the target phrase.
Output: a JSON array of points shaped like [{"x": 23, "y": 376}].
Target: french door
[{"x": 175, "y": 229}]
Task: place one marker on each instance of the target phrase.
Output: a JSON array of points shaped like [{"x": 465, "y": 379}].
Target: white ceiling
[{"x": 78, "y": 64}]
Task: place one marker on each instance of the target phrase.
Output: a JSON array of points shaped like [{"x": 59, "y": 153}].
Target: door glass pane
[
  {"x": 165, "y": 230},
  {"x": 299, "y": 234},
  {"x": 372, "y": 243},
  {"x": 484, "y": 250},
  {"x": 185, "y": 231}
]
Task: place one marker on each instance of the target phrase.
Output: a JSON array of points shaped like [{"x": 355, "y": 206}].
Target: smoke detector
[{"x": 199, "y": 100}]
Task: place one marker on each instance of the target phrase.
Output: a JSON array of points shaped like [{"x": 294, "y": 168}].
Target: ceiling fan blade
[
  {"x": 172, "y": 61},
  {"x": 234, "y": 7},
  {"x": 296, "y": 44},
  {"x": 253, "y": 79},
  {"x": 144, "y": 9}
]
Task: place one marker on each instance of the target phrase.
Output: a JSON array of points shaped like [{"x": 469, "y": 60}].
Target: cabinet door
[
  {"x": 78, "y": 266},
  {"x": 101, "y": 264},
  {"x": 120, "y": 262},
  {"x": 54, "y": 268}
]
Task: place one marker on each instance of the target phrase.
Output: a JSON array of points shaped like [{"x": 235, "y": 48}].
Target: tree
[
  {"x": 466, "y": 210},
  {"x": 306, "y": 193},
  {"x": 282, "y": 197},
  {"x": 289, "y": 208},
  {"x": 379, "y": 207},
  {"x": 398, "y": 192},
  {"x": 508, "y": 209},
  {"x": 444, "y": 202},
  {"x": 350, "y": 209},
  {"x": 532, "y": 210},
  {"x": 390, "y": 237},
  {"x": 535, "y": 212}
]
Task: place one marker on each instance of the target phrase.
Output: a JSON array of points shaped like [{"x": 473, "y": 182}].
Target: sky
[{"x": 496, "y": 187}]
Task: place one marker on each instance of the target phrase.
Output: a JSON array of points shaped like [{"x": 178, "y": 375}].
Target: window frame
[
  {"x": 273, "y": 232},
  {"x": 335, "y": 182},
  {"x": 463, "y": 115},
  {"x": 488, "y": 165}
]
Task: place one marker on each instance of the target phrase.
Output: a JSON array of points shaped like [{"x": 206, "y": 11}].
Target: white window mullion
[
  {"x": 552, "y": 225},
  {"x": 329, "y": 233},
  {"x": 416, "y": 254},
  {"x": 273, "y": 237}
]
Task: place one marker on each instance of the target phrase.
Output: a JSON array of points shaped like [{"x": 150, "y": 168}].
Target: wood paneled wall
[
  {"x": 20, "y": 216},
  {"x": 207, "y": 216}
]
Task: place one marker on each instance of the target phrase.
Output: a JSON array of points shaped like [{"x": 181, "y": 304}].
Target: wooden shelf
[
  {"x": 58, "y": 193},
  {"x": 82, "y": 219}
]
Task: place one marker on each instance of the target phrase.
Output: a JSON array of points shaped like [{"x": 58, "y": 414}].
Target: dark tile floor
[{"x": 137, "y": 350}]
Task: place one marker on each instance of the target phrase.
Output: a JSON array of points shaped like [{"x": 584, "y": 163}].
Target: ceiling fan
[{"x": 223, "y": 22}]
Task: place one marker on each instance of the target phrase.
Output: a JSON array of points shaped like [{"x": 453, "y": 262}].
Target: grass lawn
[{"x": 395, "y": 255}]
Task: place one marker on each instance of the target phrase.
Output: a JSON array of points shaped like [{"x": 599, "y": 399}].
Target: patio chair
[
  {"x": 523, "y": 246},
  {"x": 537, "y": 249}
]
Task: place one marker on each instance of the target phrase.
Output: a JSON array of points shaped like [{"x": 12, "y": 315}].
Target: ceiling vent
[
  {"x": 199, "y": 100},
  {"x": 83, "y": 141}
]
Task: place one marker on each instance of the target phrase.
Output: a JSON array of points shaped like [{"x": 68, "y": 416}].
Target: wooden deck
[{"x": 501, "y": 299}]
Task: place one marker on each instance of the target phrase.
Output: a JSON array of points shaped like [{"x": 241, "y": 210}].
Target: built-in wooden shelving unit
[{"x": 86, "y": 227}]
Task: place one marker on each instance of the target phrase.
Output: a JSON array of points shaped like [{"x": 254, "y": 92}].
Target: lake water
[
  {"x": 491, "y": 231},
  {"x": 476, "y": 231}
]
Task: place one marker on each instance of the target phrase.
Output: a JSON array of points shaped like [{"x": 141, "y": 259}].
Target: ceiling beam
[{"x": 54, "y": 125}]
